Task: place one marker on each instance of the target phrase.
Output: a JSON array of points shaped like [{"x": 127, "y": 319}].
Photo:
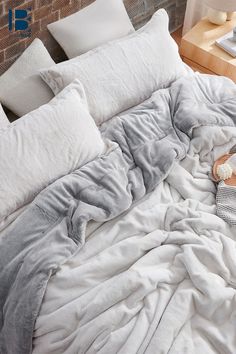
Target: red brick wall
[
  {"x": 45, "y": 11},
  {"x": 42, "y": 12}
]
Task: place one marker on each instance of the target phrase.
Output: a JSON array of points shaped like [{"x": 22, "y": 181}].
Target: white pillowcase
[
  {"x": 96, "y": 24},
  {"x": 44, "y": 145},
  {"x": 4, "y": 122},
  {"x": 125, "y": 72},
  {"x": 21, "y": 87}
]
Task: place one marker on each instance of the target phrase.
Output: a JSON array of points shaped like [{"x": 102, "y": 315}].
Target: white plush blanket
[{"x": 159, "y": 279}]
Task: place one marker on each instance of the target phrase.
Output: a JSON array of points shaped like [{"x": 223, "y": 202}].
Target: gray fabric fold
[{"x": 145, "y": 145}]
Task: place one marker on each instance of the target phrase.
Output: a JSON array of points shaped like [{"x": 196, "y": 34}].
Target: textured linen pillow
[
  {"x": 21, "y": 87},
  {"x": 96, "y": 24},
  {"x": 44, "y": 145},
  {"x": 4, "y": 122},
  {"x": 125, "y": 72}
]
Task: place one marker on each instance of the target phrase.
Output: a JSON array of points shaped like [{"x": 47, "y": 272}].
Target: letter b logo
[{"x": 21, "y": 20}]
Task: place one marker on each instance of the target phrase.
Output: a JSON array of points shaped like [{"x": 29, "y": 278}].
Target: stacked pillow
[
  {"x": 124, "y": 72},
  {"x": 96, "y": 24},
  {"x": 44, "y": 145},
  {"x": 60, "y": 136},
  {"x": 116, "y": 76},
  {"x": 21, "y": 87}
]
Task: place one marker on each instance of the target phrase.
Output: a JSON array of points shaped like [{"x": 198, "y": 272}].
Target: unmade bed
[
  {"x": 116, "y": 246},
  {"x": 160, "y": 277}
]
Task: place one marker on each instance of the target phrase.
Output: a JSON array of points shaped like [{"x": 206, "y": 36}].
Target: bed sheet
[{"x": 160, "y": 278}]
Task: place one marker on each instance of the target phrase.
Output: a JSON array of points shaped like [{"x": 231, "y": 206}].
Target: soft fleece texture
[
  {"x": 125, "y": 72},
  {"x": 158, "y": 279},
  {"x": 148, "y": 143},
  {"x": 44, "y": 145},
  {"x": 96, "y": 24},
  {"x": 21, "y": 87}
]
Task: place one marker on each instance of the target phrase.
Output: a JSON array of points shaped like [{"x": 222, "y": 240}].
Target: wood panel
[{"x": 198, "y": 46}]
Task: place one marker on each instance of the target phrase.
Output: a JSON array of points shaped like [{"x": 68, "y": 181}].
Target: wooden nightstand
[{"x": 198, "y": 49}]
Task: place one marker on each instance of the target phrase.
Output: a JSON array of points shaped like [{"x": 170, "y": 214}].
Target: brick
[
  {"x": 6, "y": 65},
  {"x": 59, "y": 4},
  {"x": 2, "y": 9},
  {"x": 41, "y": 3},
  {"x": 86, "y": 2},
  {"x": 2, "y": 56},
  {"x": 42, "y": 12},
  {"x": 4, "y": 32},
  {"x": 47, "y": 39},
  {"x": 12, "y": 4},
  {"x": 47, "y": 11},
  {"x": 28, "y": 41},
  {"x": 4, "y": 20},
  {"x": 43, "y": 35},
  {"x": 76, "y": 4},
  {"x": 35, "y": 28},
  {"x": 52, "y": 46},
  {"x": 28, "y": 5},
  {"x": 49, "y": 19},
  {"x": 14, "y": 50},
  {"x": 8, "y": 41},
  {"x": 70, "y": 9}
]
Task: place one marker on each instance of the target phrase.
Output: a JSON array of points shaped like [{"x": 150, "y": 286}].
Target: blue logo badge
[{"x": 19, "y": 20}]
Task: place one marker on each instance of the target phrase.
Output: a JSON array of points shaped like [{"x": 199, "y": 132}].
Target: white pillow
[
  {"x": 21, "y": 87},
  {"x": 44, "y": 145},
  {"x": 4, "y": 122},
  {"x": 125, "y": 72},
  {"x": 96, "y": 24}
]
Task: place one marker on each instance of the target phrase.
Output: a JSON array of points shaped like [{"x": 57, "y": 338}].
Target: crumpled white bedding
[{"x": 159, "y": 279}]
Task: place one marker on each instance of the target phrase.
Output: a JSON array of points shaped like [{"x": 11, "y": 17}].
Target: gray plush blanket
[{"x": 143, "y": 146}]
